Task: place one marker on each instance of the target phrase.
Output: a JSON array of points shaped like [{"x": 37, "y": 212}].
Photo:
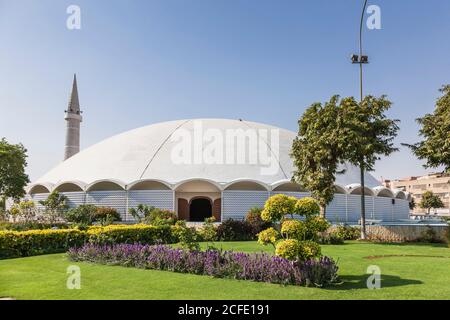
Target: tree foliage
[
  {"x": 13, "y": 179},
  {"x": 430, "y": 201},
  {"x": 435, "y": 130},
  {"x": 317, "y": 150},
  {"x": 341, "y": 131}
]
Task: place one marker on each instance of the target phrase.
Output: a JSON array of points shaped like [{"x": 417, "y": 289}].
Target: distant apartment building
[{"x": 438, "y": 183}]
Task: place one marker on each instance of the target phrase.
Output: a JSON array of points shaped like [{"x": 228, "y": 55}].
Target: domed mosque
[{"x": 199, "y": 168}]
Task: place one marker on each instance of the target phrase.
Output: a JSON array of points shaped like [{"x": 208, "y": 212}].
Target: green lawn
[{"x": 418, "y": 271}]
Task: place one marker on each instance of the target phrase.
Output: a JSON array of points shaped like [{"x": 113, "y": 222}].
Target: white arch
[
  {"x": 243, "y": 180},
  {"x": 181, "y": 183},
  {"x": 40, "y": 188},
  {"x": 287, "y": 185},
  {"x": 81, "y": 185},
  {"x": 356, "y": 188},
  {"x": 134, "y": 184},
  {"x": 118, "y": 183},
  {"x": 400, "y": 194},
  {"x": 341, "y": 189},
  {"x": 384, "y": 192}
]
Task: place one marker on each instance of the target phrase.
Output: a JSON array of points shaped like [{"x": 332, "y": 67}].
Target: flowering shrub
[
  {"x": 223, "y": 264},
  {"x": 307, "y": 207},
  {"x": 278, "y": 206}
]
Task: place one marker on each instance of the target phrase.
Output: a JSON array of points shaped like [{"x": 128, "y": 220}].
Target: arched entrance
[{"x": 200, "y": 209}]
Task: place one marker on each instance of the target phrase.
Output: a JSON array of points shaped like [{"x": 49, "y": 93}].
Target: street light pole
[{"x": 361, "y": 60}]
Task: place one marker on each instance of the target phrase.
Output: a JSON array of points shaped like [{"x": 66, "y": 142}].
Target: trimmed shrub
[
  {"x": 35, "y": 242},
  {"x": 293, "y": 229},
  {"x": 278, "y": 206},
  {"x": 309, "y": 250},
  {"x": 234, "y": 230},
  {"x": 222, "y": 264},
  {"x": 31, "y": 225},
  {"x": 139, "y": 233},
  {"x": 288, "y": 249},
  {"x": 307, "y": 207},
  {"x": 268, "y": 236}
]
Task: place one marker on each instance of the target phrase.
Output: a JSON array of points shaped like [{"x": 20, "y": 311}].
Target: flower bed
[{"x": 223, "y": 264}]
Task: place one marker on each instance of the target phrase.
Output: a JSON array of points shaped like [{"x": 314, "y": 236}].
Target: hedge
[{"x": 15, "y": 244}]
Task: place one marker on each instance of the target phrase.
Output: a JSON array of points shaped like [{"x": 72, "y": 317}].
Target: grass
[{"x": 409, "y": 271}]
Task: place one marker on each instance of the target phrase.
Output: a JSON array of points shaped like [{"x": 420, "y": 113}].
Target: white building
[{"x": 200, "y": 168}]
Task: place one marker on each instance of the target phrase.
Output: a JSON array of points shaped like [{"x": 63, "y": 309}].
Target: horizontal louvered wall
[
  {"x": 236, "y": 204},
  {"x": 162, "y": 199},
  {"x": 75, "y": 199},
  {"x": 337, "y": 209},
  {"x": 111, "y": 199}
]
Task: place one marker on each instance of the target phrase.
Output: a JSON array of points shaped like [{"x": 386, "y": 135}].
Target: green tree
[
  {"x": 366, "y": 134},
  {"x": 13, "y": 161},
  {"x": 342, "y": 130},
  {"x": 317, "y": 150},
  {"x": 435, "y": 130},
  {"x": 54, "y": 206},
  {"x": 430, "y": 201}
]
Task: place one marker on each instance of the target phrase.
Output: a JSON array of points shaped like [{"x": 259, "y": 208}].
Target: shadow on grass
[{"x": 360, "y": 282}]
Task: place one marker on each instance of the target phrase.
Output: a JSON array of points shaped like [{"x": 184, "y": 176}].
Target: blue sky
[{"x": 142, "y": 62}]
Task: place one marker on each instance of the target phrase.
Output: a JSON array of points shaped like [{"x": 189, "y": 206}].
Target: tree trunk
[
  {"x": 363, "y": 205},
  {"x": 323, "y": 212}
]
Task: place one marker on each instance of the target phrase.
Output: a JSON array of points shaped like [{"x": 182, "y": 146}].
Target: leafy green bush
[
  {"x": 34, "y": 242},
  {"x": 188, "y": 237},
  {"x": 208, "y": 232},
  {"x": 268, "y": 236},
  {"x": 235, "y": 230},
  {"x": 106, "y": 216},
  {"x": 277, "y": 207},
  {"x": 83, "y": 214},
  {"x": 160, "y": 217},
  {"x": 330, "y": 238},
  {"x": 154, "y": 216},
  {"x": 288, "y": 249},
  {"x": 31, "y": 225},
  {"x": 347, "y": 232},
  {"x": 307, "y": 207},
  {"x": 293, "y": 229}
]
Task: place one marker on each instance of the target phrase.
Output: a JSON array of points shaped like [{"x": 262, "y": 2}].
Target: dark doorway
[{"x": 200, "y": 209}]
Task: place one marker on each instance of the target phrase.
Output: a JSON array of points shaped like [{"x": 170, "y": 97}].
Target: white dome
[{"x": 147, "y": 154}]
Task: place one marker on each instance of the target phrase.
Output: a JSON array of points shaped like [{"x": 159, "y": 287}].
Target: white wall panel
[{"x": 236, "y": 204}]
